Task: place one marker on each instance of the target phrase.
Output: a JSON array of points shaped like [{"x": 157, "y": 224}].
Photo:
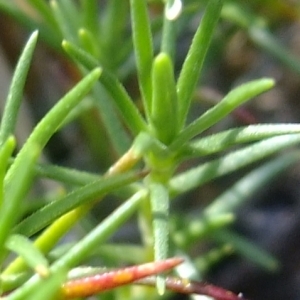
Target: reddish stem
[
  {"x": 185, "y": 286},
  {"x": 88, "y": 286},
  {"x": 143, "y": 274}
]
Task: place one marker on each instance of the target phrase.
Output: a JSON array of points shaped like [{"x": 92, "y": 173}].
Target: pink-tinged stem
[
  {"x": 88, "y": 286},
  {"x": 185, "y": 286}
]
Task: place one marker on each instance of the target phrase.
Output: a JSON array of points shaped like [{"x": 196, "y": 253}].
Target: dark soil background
[{"x": 272, "y": 218}]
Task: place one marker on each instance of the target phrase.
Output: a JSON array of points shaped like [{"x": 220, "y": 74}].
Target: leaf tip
[
  {"x": 35, "y": 34},
  {"x": 160, "y": 285},
  {"x": 173, "y": 10},
  {"x": 42, "y": 271},
  {"x": 64, "y": 43}
]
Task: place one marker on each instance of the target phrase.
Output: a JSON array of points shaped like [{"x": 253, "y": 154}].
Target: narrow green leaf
[
  {"x": 79, "y": 196},
  {"x": 119, "y": 136},
  {"x": 122, "y": 100},
  {"x": 172, "y": 12},
  {"x": 61, "y": 220},
  {"x": 15, "y": 94},
  {"x": 231, "y": 101},
  {"x": 223, "y": 140},
  {"x": 81, "y": 108},
  {"x": 114, "y": 23},
  {"x": 231, "y": 162},
  {"x": 19, "y": 176},
  {"x": 192, "y": 66},
  {"x": 79, "y": 251},
  {"x": 79, "y": 55},
  {"x": 67, "y": 17},
  {"x": 90, "y": 15},
  {"x": 65, "y": 175},
  {"x": 51, "y": 122},
  {"x": 168, "y": 38},
  {"x": 246, "y": 187},
  {"x": 87, "y": 41},
  {"x": 159, "y": 197},
  {"x": 99, "y": 234},
  {"x": 32, "y": 256},
  {"x": 221, "y": 211},
  {"x": 142, "y": 40},
  {"x": 124, "y": 104},
  {"x": 164, "y": 102}
]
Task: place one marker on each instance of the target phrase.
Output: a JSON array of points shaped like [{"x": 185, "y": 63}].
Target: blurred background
[{"x": 238, "y": 54}]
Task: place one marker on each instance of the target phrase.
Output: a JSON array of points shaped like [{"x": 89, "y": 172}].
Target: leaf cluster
[{"x": 152, "y": 144}]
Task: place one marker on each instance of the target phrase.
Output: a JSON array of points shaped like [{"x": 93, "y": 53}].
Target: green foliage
[{"x": 159, "y": 138}]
